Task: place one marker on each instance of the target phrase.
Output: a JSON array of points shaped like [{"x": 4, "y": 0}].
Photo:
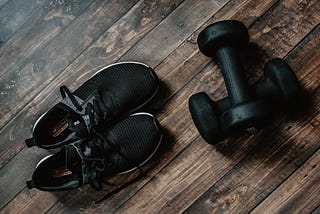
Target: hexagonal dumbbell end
[
  {"x": 205, "y": 117},
  {"x": 279, "y": 82}
]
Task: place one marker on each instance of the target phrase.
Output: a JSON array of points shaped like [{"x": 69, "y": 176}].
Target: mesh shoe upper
[
  {"x": 125, "y": 146},
  {"x": 110, "y": 93}
]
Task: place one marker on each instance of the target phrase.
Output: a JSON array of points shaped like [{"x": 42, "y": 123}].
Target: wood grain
[
  {"x": 263, "y": 176},
  {"x": 49, "y": 61},
  {"x": 2, "y": 2},
  {"x": 152, "y": 12},
  {"x": 96, "y": 11},
  {"x": 38, "y": 31},
  {"x": 13, "y": 14},
  {"x": 14, "y": 176},
  {"x": 171, "y": 18},
  {"x": 110, "y": 204},
  {"x": 139, "y": 201},
  {"x": 290, "y": 195},
  {"x": 265, "y": 172}
]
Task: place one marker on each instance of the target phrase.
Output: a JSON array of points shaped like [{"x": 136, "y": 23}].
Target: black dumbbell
[
  {"x": 246, "y": 108},
  {"x": 279, "y": 85}
]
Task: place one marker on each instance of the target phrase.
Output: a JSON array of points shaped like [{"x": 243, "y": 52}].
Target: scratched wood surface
[{"x": 44, "y": 44}]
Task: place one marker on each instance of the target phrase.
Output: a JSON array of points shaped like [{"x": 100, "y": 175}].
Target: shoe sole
[
  {"x": 130, "y": 111},
  {"x": 43, "y": 159},
  {"x": 130, "y": 170}
]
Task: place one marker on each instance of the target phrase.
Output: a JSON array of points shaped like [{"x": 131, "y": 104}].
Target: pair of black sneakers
[{"x": 97, "y": 130}]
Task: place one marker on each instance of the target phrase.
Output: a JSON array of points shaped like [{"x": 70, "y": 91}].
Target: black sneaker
[
  {"x": 126, "y": 146},
  {"x": 113, "y": 91}
]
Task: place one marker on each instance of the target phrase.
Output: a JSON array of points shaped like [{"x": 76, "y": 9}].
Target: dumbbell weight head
[
  {"x": 214, "y": 125},
  {"x": 205, "y": 117},
  {"x": 284, "y": 83},
  {"x": 230, "y": 32},
  {"x": 249, "y": 117}
]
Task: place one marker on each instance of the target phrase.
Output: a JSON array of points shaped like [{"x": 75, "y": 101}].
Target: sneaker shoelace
[
  {"x": 96, "y": 110},
  {"x": 135, "y": 179},
  {"x": 98, "y": 163}
]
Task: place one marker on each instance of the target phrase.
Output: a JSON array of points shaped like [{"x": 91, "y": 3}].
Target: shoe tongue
[
  {"x": 80, "y": 158},
  {"x": 78, "y": 122},
  {"x": 67, "y": 101}
]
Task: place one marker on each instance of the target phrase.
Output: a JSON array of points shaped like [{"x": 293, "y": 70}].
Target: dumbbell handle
[
  {"x": 264, "y": 88},
  {"x": 233, "y": 74}
]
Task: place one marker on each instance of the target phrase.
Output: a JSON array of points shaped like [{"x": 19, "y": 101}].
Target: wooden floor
[{"x": 48, "y": 43}]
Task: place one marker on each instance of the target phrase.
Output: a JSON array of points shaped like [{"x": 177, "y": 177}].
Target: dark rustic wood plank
[
  {"x": 36, "y": 33},
  {"x": 132, "y": 25},
  {"x": 186, "y": 132},
  {"x": 159, "y": 194},
  {"x": 21, "y": 204},
  {"x": 182, "y": 25},
  {"x": 96, "y": 16},
  {"x": 300, "y": 193},
  {"x": 265, "y": 168},
  {"x": 78, "y": 69},
  {"x": 201, "y": 173},
  {"x": 141, "y": 200},
  {"x": 186, "y": 61},
  {"x": 14, "y": 14},
  {"x": 241, "y": 190},
  {"x": 13, "y": 176},
  {"x": 2, "y": 2},
  {"x": 248, "y": 7},
  {"x": 181, "y": 8},
  {"x": 114, "y": 202},
  {"x": 19, "y": 87}
]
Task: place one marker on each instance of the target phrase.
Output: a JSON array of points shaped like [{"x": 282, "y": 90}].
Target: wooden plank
[
  {"x": 78, "y": 69},
  {"x": 181, "y": 129},
  {"x": 2, "y": 2},
  {"x": 186, "y": 131},
  {"x": 159, "y": 194},
  {"x": 264, "y": 169},
  {"x": 14, "y": 14},
  {"x": 193, "y": 44},
  {"x": 14, "y": 176},
  {"x": 131, "y": 25},
  {"x": 300, "y": 193},
  {"x": 185, "y": 179},
  {"x": 19, "y": 87},
  {"x": 80, "y": 61},
  {"x": 182, "y": 25},
  {"x": 21, "y": 204},
  {"x": 241, "y": 190},
  {"x": 186, "y": 61},
  {"x": 98, "y": 11},
  {"x": 36, "y": 33}
]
